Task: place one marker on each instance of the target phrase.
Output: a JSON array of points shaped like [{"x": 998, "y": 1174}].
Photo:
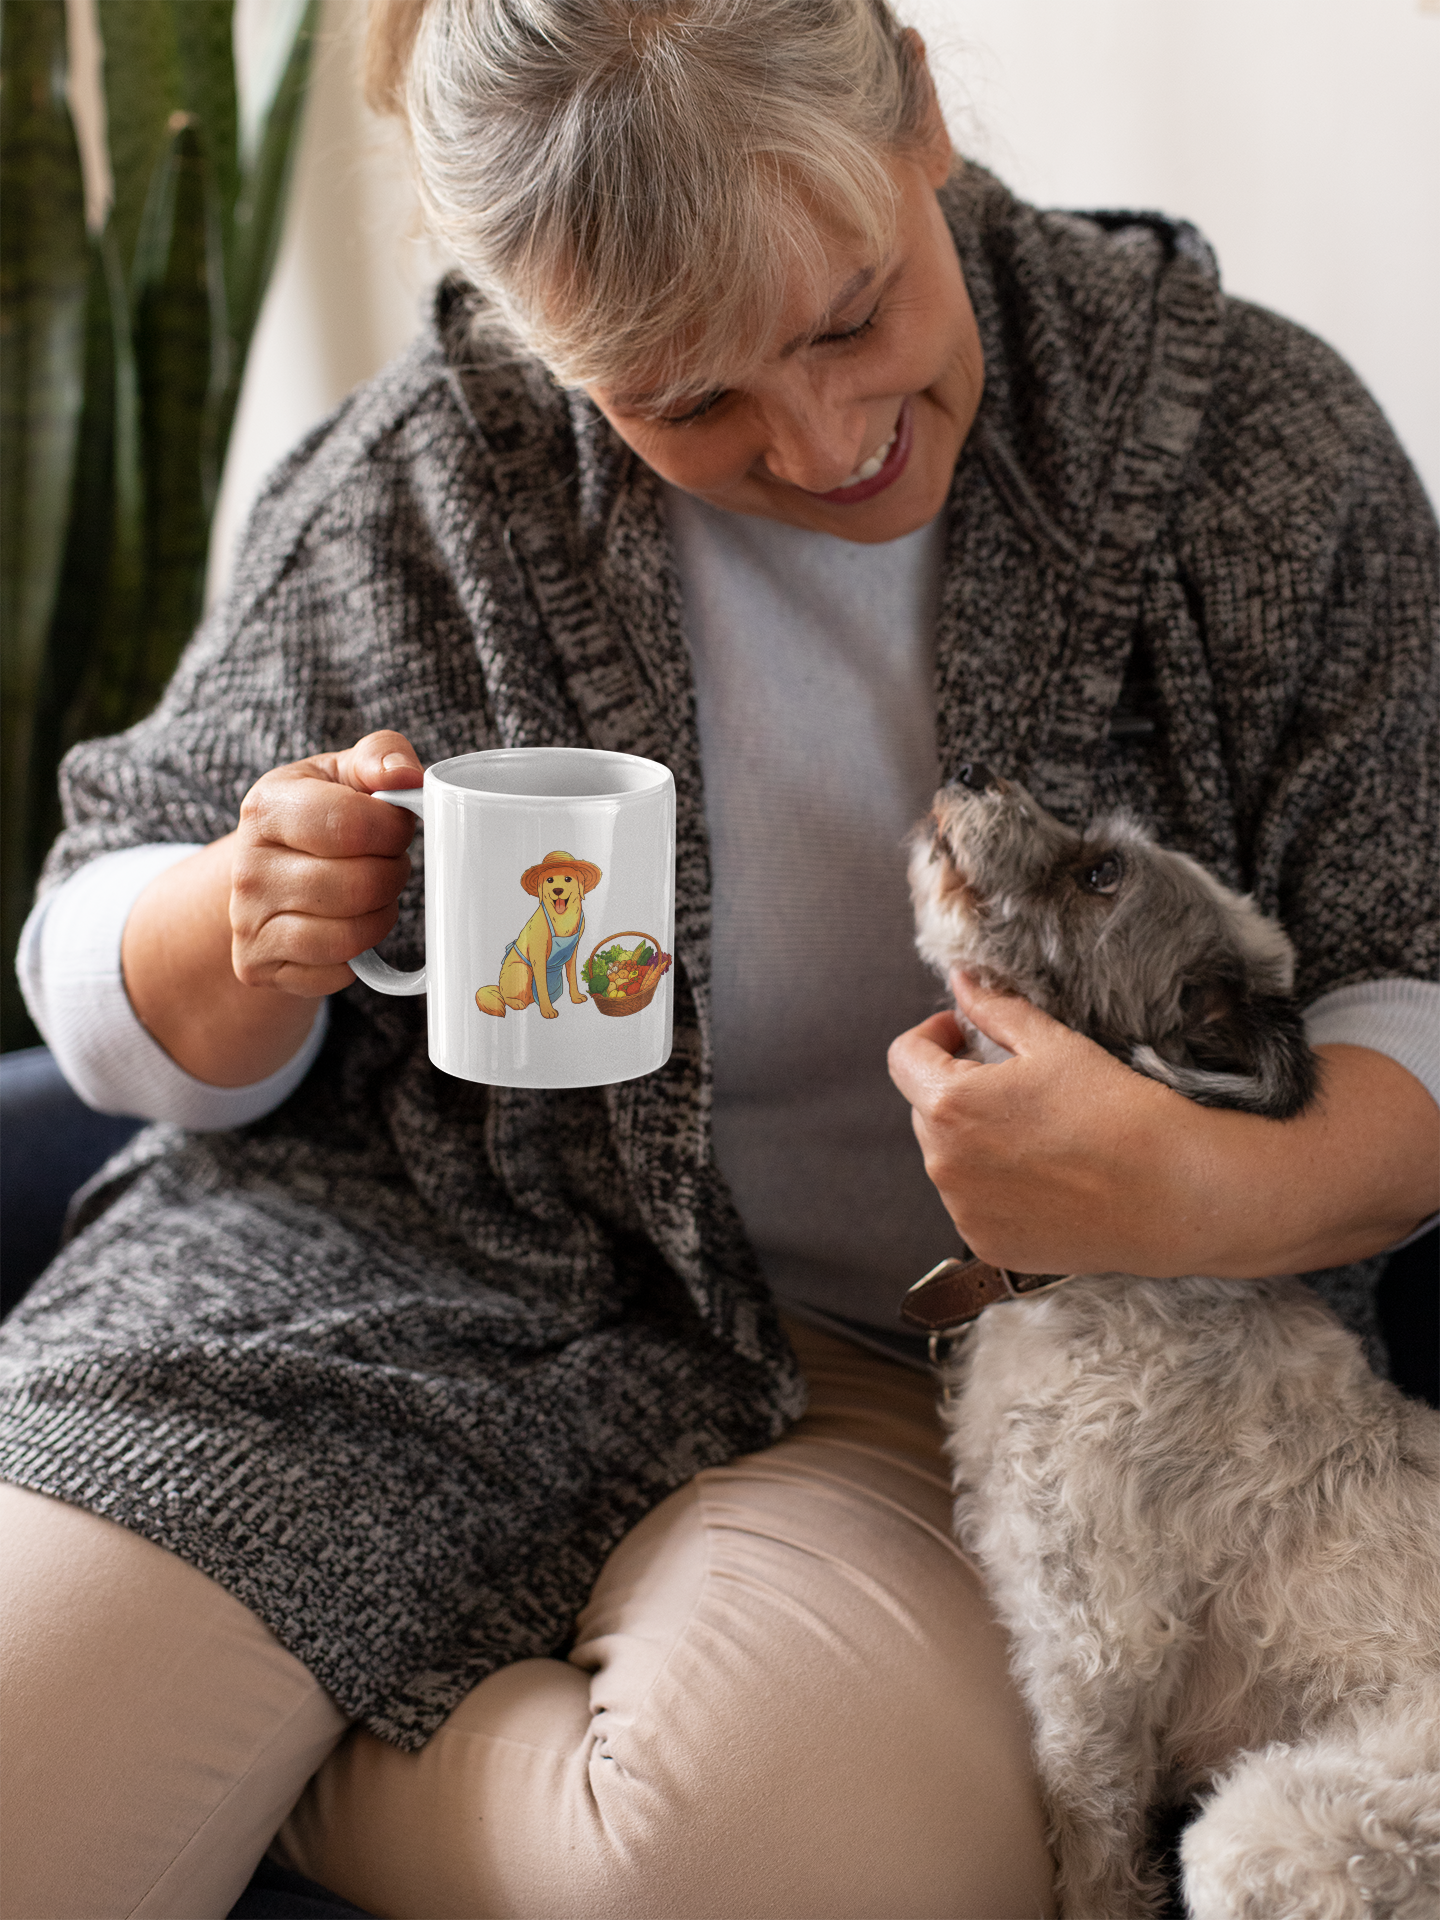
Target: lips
[{"x": 868, "y": 480}]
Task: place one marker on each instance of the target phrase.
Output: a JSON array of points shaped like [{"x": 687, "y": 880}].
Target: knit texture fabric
[{"x": 399, "y": 1363}]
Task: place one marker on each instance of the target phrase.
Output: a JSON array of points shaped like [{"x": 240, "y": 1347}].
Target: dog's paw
[{"x": 1316, "y": 1832}]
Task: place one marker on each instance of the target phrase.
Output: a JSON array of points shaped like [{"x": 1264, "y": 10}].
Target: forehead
[
  {"x": 817, "y": 296},
  {"x": 731, "y": 317}
]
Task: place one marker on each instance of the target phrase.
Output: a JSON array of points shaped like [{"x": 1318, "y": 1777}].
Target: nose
[
  {"x": 815, "y": 447},
  {"x": 978, "y": 778},
  {"x": 814, "y": 469}
]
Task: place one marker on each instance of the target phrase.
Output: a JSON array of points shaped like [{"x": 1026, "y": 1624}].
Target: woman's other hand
[
  {"x": 1063, "y": 1159},
  {"x": 226, "y": 954}
]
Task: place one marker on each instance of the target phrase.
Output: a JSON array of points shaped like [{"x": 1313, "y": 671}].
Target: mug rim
[{"x": 440, "y": 771}]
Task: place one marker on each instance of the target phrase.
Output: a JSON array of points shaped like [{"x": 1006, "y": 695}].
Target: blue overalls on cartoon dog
[{"x": 561, "y": 948}]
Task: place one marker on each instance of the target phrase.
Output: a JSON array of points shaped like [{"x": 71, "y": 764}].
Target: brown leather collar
[{"x": 957, "y": 1292}]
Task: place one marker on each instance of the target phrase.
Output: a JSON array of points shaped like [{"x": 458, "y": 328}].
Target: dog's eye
[{"x": 1104, "y": 876}]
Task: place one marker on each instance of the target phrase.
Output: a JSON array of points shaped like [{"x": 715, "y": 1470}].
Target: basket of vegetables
[{"x": 623, "y": 972}]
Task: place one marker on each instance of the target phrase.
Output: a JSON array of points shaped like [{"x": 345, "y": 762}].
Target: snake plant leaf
[
  {"x": 44, "y": 269},
  {"x": 181, "y": 359},
  {"x": 272, "y": 138},
  {"x": 144, "y": 85},
  {"x": 81, "y": 589},
  {"x": 164, "y": 57},
  {"x": 90, "y": 659},
  {"x": 205, "y": 41}
]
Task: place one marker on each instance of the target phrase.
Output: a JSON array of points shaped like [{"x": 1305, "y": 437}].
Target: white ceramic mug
[{"x": 549, "y": 916}]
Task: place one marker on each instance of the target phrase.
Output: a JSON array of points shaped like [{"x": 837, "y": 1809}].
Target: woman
[{"x": 825, "y": 466}]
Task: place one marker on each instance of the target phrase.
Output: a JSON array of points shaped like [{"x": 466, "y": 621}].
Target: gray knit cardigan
[{"x": 400, "y": 1363}]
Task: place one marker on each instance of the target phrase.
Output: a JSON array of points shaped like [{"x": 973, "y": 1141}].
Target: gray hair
[{"x": 633, "y": 184}]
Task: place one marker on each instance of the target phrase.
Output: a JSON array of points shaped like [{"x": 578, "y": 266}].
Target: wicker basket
[{"x": 631, "y": 1002}]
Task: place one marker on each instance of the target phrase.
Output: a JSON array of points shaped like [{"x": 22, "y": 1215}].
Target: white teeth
[{"x": 868, "y": 469}]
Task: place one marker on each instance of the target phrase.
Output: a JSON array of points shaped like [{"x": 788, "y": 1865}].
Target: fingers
[
  {"x": 320, "y": 805},
  {"x": 1052, "y": 1066},
  {"x": 301, "y": 807},
  {"x": 1015, "y": 1024},
  {"x": 280, "y": 880},
  {"x": 921, "y": 1059},
  {"x": 925, "y": 1062},
  {"x": 1041, "y": 1160},
  {"x": 302, "y": 953},
  {"x": 381, "y": 760},
  {"x": 289, "y": 911},
  {"x": 318, "y": 865}
]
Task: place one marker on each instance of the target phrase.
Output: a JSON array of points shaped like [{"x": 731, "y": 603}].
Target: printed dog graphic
[
  {"x": 1208, "y": 1527},
  {"x": 543, "y": 952}
]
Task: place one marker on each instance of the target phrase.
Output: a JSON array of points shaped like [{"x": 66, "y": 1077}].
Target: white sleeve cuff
[
  {"x": 69, "y": 968},
  {"x": 1399, "y": 1018}
]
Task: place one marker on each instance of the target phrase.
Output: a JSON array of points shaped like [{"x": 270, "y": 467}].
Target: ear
[
  {"x": 1251, "y": 1055},
  {"x": 931, "y": 147}
]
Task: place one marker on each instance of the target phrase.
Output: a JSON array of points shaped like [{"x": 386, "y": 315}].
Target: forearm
[
  {"x": 1064, "y": 1160},
  {"x": 1341, "y": 1181},
  {"x": 179, "y": 976}
]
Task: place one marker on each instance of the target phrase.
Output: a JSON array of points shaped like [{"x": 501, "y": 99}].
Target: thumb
[
  {"x": 1006, "y": 1018},
  {"x": 379, "y": 761}
]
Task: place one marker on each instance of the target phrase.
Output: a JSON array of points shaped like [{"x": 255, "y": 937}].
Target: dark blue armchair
[{"x": 50, "y": 1144}]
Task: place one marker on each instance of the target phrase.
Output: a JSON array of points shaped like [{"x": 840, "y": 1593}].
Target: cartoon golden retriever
[{"x": 544, "y": 949}]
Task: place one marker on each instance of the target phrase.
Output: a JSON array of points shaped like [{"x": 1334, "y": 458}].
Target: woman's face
[{"x": 854, "y": 417}]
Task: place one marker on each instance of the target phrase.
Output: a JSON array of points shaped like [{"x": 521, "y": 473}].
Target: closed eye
[
  {"x": 838, "y": 338},
  {"x": 850, "y": 333},
  {"x": 697, "y": 412}
]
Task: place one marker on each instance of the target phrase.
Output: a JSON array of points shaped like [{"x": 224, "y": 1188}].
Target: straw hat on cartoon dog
[{"x": 543, "y": 952}]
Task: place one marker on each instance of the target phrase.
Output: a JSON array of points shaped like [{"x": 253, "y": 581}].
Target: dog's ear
[{"x": 1249, "y": 1053}]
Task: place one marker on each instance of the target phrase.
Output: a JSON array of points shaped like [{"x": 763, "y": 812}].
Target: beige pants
[{"x": 787, "y": 1700}]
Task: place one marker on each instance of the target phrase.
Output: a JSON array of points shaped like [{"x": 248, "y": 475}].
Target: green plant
[{"x": 121, "y": 355}]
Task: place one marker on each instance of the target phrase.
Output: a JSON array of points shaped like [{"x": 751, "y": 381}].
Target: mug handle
[{"x": 368, "y": 966}]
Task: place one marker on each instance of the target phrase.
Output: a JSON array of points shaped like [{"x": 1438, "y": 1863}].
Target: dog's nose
[{"x": 977, "y": 777}]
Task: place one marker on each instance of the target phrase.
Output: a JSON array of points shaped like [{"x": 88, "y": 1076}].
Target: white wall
[
  {"x": 1303, "y": 137},
  {"x": 350, "y": 281}
]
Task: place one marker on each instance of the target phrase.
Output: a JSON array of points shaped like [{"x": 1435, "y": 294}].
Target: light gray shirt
[{"x": 814, "y": 683}]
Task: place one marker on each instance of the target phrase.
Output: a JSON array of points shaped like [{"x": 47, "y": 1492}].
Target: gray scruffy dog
[{"x": 1210, "y": 1530}]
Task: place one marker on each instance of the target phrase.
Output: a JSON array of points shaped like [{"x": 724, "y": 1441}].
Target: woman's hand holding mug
[
  {"x": 317, "y": 868},
  {"x": 226, "y": 953}
]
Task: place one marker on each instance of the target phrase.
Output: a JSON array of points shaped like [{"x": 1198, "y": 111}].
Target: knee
[{"x": 528, "y": 1802}]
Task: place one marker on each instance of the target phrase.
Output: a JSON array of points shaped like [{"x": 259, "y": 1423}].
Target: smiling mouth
[
  {"x": 868, "y": 469},
  {"x": 881, "y": 469}
]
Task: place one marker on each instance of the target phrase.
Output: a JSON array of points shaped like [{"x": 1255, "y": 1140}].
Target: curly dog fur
[{"x": 1209, "y": 1528}]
